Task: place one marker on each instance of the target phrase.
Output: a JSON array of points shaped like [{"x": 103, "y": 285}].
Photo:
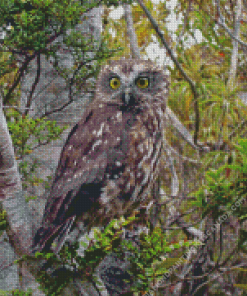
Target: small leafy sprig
[
  {"x": 27, "y": 135},
  {"x": 149, "y": 261}
]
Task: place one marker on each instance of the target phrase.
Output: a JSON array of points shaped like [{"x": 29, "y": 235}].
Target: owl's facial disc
[{"x": 129, "y": 87}]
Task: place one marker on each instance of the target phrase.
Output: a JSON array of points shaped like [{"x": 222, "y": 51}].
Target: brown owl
[{"x": 111, "y": 157}]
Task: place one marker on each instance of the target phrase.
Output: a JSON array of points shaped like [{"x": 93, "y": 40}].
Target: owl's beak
[{"x": 128, "y": 97}]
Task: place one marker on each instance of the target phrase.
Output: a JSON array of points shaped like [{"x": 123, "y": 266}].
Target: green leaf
[{"x": 168, "y": 262}]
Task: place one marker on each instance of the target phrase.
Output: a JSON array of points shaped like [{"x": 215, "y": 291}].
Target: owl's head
[{"x": 131, "y": 83}]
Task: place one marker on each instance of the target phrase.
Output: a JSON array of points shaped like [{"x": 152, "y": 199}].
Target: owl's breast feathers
[{"x": 108, "y": 163}]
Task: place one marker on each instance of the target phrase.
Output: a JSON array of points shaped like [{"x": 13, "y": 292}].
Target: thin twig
[
  {"x": 175, "y": 61},
  {"x": 21, "y": 71},
  {"x": 184, "y": 25},
  {"x": 16, "y": 107},
  {"x": 37, "y": 78}
]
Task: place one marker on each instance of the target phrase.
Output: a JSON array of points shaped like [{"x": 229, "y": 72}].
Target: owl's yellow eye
[
  {"x": 115, "y": 83},
  {"x": 142, "y": 82}
]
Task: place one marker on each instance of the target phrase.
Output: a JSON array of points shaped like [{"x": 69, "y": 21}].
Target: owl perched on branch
[{"x": 111, "y": 157}]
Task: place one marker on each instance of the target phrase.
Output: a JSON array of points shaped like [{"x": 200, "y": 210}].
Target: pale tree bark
[
  {"x": 131, "y": 32},
  {"x": 10, "y": 192},
  {"x": 234, "y": 55},
  {"x": 19, "y": 230}
]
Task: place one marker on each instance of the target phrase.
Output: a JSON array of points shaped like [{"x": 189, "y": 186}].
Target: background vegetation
[{"x": 206, "y": 59}]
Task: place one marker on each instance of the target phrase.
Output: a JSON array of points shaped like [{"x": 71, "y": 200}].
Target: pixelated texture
[{"x": 111, "y": 157}]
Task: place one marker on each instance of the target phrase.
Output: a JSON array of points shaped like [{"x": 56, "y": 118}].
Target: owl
[{"x": 111, "y": 157}]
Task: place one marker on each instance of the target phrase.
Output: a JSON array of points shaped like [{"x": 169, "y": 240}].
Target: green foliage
[
  {"x": 31, "y": 27},
  {"x": 242, "y": 148},
  {"x": 16, "y": 292},
  {"x": 148, "y": 262},
  {"x": 32, "y": 23},
  {"x": 3, "y": 220},
  {"x": 8, "y": 71},
  {"x": 52, "y": 283},
  {"x": 148, "y": 258},
  {"x": 219, "y": 108},
  {"x": 27, "y": 135},
  {"x": 207, "y": 63},
  {"x": 64, "y": 269},
  {"x": 21, "y": 293},
  {"x": 116, "y": 2},
  {"x": 219, "y": 192}
]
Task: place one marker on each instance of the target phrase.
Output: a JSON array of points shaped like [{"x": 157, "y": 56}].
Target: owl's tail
[{"x": 45, "y": 237}]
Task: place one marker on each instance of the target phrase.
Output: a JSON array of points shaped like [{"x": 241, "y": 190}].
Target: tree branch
[
  {"x": 20, "y": 232},
  {"x": 29, "y": 101},
  {"x": 131, "y": 32},
  {"x": 175, "y": 61},
  {"x": 234, "y": 55}
]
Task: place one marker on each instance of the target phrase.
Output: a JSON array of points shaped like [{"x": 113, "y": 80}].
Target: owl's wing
[{"x": 79, "y": 176}]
